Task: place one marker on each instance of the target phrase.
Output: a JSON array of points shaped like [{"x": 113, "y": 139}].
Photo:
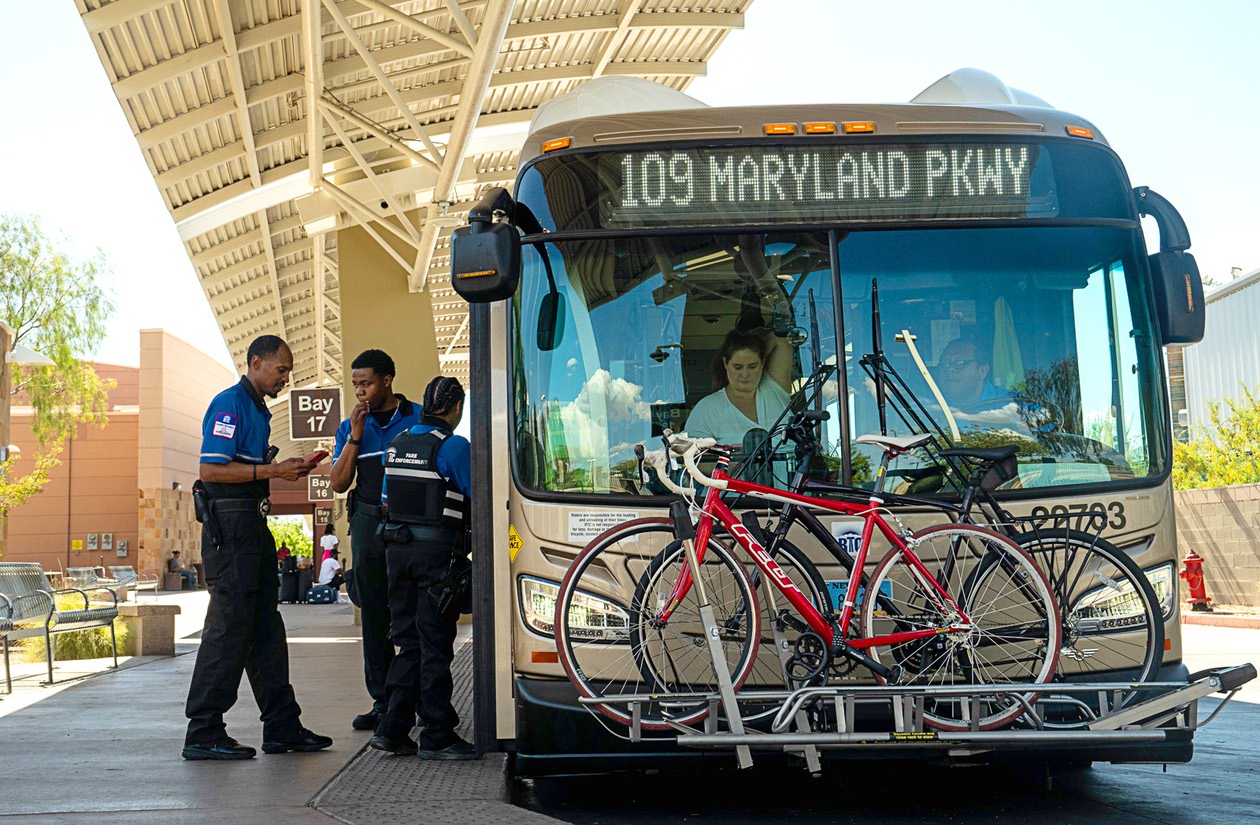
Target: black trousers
[
  {"x": 243, "y": 633},
  {"x": 420, "y": 676},
  {"x": 370, "y": 592}
]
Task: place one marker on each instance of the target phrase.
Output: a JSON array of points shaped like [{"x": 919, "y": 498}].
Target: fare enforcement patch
[{"x": 225, "y": 425}]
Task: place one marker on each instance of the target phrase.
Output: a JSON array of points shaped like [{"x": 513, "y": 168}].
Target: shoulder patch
[{"x": 225, "y": 425}]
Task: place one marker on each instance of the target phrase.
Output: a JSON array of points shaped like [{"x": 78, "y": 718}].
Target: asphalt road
[{"x": 1221, "y": 784}]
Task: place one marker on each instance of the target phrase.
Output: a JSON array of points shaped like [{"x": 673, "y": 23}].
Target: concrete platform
[{"x": 104, "y": 746}]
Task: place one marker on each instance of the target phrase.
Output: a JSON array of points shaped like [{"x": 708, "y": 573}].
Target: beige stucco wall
[
  {"x": 93, "y": 490},
  {"x": 377, "y": 312},
  {"x": 177, "y": 381},
  {"x": 121, "y": 479},
  {"x": 1222, "y": 524}
]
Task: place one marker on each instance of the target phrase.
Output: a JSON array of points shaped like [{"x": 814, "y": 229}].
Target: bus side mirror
[
  {"x": 1174, "y": 274},
  {"x": 550, "y": 321},
  {"x": 485, "y": 261},
  {"x": 1178, "y": 297}
]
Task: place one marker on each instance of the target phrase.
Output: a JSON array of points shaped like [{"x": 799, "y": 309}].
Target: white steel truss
[{"x": 268, "y": 124}]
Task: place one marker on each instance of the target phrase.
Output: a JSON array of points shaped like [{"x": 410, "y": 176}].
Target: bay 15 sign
[
  {"x": 314, "y": 413},
  {"x": 319, "y": 488}
]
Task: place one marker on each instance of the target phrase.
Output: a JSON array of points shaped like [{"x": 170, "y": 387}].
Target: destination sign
[{"x": 776, "y": 184}]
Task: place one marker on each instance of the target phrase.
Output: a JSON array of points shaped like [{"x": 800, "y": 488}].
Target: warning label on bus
[{"x": 585, "y": 525}]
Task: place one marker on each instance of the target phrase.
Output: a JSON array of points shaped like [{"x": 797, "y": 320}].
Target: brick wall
[
  {"x": 167, "y": 523},
  {"x": 1222, "y": 524}
]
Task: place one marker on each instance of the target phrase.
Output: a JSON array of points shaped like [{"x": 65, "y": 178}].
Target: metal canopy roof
[{"x": 420, "y": 105}]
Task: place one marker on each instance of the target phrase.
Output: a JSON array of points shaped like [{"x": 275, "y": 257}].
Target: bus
[{"x": 651, "y": 243}]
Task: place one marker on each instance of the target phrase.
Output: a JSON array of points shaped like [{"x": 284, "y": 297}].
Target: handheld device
[
  {"x": 271, "y": 454},
  {"x": 317, "y": 456}
]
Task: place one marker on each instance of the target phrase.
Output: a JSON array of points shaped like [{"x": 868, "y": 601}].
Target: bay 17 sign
[{"x": 314, "y": 414}]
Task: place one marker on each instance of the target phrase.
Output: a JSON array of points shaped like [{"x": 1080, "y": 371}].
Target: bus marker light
[
  {"x": 558, "y": 143},
  {"x": 1167, "y": 645},
  {"x": 820, "y": 128},
  {"x": 544, "y": 657},
  {"x": 854, "y": 127},
  {"x": 1081, "y": 132},
  {"x": 779, "y": 128}
]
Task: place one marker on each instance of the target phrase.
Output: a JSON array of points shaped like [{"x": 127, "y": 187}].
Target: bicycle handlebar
[
  {"x": 689, "y": 459},
  {"x": 658, "y": 461}
]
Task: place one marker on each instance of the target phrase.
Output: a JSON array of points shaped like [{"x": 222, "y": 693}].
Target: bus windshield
[{"x": 1032, "y": 336}]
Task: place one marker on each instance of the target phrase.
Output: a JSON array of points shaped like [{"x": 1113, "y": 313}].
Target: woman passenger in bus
[{"x": 753, "y": 376}]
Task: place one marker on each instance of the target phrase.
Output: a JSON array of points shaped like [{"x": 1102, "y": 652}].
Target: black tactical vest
[{"x": 418, "y": 493}]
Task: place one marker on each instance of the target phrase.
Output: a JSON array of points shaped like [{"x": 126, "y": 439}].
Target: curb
[{"x": 1221, "y": 620}]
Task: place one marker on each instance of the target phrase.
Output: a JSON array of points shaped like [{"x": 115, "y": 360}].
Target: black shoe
[
  {"x": 304, "y": 742},
  {"x": 457, "y": 750},
  {"x": 226, "y": 749},
  {"x": 404, "y": 747},
  {"x": 367, "y": 721}
]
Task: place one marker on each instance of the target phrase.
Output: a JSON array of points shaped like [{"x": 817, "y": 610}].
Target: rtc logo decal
[{"x": 225, "y": 425}]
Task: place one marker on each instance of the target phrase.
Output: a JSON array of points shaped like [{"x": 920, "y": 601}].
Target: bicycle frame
[{"x": 714, "y": 509}]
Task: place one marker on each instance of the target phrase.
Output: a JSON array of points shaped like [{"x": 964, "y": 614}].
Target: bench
[
  {"x": 128, "y": 577},
  {"x": 91, "y": 578},
  {"x": 29, "y": 609}
]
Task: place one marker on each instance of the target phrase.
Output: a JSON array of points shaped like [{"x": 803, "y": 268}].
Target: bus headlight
[
  {"x": 591, "y": 617},
  {"x": 1164, "y": 581},
  {"x": 1115, "y": 606}
]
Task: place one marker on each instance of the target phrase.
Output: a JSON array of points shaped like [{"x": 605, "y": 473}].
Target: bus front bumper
[{"x": 556, "y": 735}]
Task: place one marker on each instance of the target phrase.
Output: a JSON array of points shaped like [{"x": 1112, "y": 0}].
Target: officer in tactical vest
[{"x": 426, "y": 490}]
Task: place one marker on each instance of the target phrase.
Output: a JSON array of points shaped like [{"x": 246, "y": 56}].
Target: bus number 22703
[{"x": 1086, "y": 516}]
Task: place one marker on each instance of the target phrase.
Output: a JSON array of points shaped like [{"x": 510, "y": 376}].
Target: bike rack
[{"x": 811, "y": 719}]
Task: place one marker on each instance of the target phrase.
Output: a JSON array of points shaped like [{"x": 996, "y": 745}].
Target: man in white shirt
[{"x": 330, "y": 571}]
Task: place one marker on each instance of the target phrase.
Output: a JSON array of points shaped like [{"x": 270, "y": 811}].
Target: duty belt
[
  {"x": 370, "y": 510},
  {"x": 259, "y": 506}
]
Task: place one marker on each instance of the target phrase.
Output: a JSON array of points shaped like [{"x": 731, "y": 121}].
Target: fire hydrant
[{"x": 1193, "y": 574}]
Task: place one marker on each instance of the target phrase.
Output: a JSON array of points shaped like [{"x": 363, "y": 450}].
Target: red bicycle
[{"x": 949, "y": 605}]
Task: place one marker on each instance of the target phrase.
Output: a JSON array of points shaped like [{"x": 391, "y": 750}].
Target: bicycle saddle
[
  {"x": 899, "y": 443},
  {"x": 987, "y": 454}
]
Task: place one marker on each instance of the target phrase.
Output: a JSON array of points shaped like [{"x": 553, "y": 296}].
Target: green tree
[
  {"x": 1227, "y": 451},
  {"x": 55, "y": 307},
  {"x": 291, "y": 530}
]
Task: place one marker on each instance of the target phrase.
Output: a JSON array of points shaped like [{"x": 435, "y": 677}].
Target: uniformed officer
[
  {"x": 243, "y": 629},
  {"x": 426, "y": 489},
  {"x": 376, "y": 420}
]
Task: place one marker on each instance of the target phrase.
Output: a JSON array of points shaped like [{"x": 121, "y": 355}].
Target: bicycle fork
[{"x": 685, "y": 531}]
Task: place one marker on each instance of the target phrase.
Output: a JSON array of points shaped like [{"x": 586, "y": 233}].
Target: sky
[{"x": 1172, "y": 85}]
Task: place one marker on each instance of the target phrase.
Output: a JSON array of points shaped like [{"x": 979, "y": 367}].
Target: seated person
[
  {"x": 330, "y": 571},
  {"x": 753, "y": 376},
  {"x": 962, "y": 373},
  {"x": 176, "y": 565}
]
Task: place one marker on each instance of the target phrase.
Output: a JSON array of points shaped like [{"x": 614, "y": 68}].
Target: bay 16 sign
[
  {"x": 319, "y": 488},
  {"x": 314, "y": 414}
]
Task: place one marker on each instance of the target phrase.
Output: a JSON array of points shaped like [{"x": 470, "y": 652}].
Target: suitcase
[
  {"x": 322, "y": 594},
  {"x": 288, "y": 587}
]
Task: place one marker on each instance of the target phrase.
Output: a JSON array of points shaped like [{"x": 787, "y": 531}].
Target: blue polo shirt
[
  {"x": 454, "y": 460},
  {"x": 237, "y": 427},
  {"x": 369, "y": 469}
]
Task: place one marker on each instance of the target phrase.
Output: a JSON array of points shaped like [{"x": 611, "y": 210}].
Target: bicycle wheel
[
  {"x": 610, "y": 643},
  {"x": 1113, "y": 621},
  {"x": 1015, "y": 633}
]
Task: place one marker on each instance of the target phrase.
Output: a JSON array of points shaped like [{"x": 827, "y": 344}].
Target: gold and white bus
[{"x": 646, "y": 231}]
